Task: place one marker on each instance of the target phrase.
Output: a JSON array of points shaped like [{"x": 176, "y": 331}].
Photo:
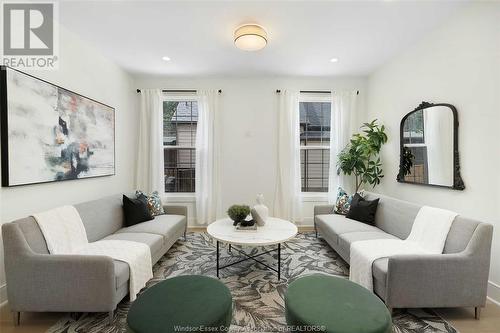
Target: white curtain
[
  {"x": 208, "y": 134},
  {"x": 342, "y": 125},
  {"x": 149, "y": 172},
  {"x": 287, "y": 203}
]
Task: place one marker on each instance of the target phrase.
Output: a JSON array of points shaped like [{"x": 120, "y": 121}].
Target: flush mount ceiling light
[
  {"x": 334, "y": 60},
  {"x": 250, "y": 37},
  {"x": 165, "y": 58}
]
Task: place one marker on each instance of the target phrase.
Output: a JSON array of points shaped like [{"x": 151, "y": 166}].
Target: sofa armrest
[
  {"x": 175, "y": 210},
  {"x": 323, "y": 209},
  {"x": 441, "y": 280},
  {"x": 48, "y": 282}
]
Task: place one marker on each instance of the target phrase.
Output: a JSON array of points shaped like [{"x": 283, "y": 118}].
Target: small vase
[{"x": 260, "y": 212}]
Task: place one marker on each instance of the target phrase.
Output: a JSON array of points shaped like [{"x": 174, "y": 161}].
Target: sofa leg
[
  {"x": 477, "y": 312},
  {"x": 16, "y": 317},
  {"x": 110, "y": 317},
  {"x": 316, "y": 230}
]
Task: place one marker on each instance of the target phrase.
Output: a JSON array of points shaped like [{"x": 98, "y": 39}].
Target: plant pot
[{"x": 246, "y": 223}]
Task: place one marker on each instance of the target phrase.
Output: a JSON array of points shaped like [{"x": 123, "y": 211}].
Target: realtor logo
[
  {"x": 29, "y": 35},
  {"x": 28, "y": 29}
]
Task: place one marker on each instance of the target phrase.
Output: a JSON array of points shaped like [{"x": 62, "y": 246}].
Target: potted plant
[
  {"x": 361, "y": 156},
  {"x": 239, "y": 213}
]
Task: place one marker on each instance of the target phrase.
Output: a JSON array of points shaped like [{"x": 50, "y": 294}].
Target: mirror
[{"x": 429, "y": 147}]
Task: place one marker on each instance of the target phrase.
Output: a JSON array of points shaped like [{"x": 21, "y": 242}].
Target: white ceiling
[{"x": 303, "y": 36}]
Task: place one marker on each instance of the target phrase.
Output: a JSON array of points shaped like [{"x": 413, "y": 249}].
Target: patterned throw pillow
[
  {"x": 343, "y": 202},
  {"x": 154, "y": 202}
]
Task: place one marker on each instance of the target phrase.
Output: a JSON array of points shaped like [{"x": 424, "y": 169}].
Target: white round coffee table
[{"x": 275, "y": 231}]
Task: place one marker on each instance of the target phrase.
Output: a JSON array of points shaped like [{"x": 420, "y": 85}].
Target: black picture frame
[
  {"x": 458, "y": 183},
  {"x": 4, "y": 129}
]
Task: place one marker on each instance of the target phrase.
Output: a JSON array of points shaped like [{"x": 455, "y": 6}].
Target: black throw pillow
[
  {"x": 136, "y": 211},
  {"x": 363, "y": 210}
]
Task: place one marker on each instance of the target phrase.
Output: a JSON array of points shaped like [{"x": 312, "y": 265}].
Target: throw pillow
[
  {"x": 363, "y": 210},
  {"x": 135, "y": 211},
  {"x": 154, "y": 202},
  {"x": 343, "y": 202}
]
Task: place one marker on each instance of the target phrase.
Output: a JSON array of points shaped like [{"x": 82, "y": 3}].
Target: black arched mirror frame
[{"x": 458, "y": 183}]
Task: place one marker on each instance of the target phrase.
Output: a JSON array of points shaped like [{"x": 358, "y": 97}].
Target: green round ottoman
[
  {"x": 335, "y": 305},
  {"x": 190, "y": 303}
]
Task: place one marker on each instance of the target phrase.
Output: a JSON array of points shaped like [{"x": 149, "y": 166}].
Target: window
[
  {"x": 180, "y": 118},
  {"x": 315, "y": 112},
  {"x": 414, "y": 140},
  {"x": 414, "y": 128}
]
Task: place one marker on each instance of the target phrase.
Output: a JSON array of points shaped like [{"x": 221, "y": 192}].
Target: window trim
[
  {"x": 176, "y": 97},
  {"x": 180, "y": 197},
  {"x": 321, "y": 98}
]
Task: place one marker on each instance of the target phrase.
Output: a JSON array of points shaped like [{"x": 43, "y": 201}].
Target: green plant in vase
[
  {"x": 238, "y": 213},
  {"x": 361, "y": 157}
]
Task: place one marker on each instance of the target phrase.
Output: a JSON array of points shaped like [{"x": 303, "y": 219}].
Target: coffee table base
[{"x": 249, "y": 257}]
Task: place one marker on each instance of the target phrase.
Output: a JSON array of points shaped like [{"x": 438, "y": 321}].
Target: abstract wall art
[{"x": 51, "y": 134}]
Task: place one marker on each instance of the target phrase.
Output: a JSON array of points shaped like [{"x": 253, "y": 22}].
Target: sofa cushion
[
  {"x": 345, "y": 240},
  {"x": 336, "y": 225},
  {"x": 136, "y": 210},
  {"x": 363, "y": 210},
  {"x": 155, "y": 242},
  {"x": 101, "y": 217},
  {"x": 343, "y": 202},
  {"x": 394, "y": 216},
  {"x": 163, "y": 225},
  {"x": 153, "y": 200}
]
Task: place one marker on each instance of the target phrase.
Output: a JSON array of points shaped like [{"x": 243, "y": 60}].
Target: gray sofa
[
  {"x": 456, "y": 278},
  {"x": 40, "y": 282}
]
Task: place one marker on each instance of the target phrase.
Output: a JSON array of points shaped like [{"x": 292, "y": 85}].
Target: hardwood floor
[
  {"x": 463, "y": 319},
  {"x": 30, "y": 322}
]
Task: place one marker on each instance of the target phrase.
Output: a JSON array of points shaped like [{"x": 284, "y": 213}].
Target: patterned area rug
[{"x": 257, "y": 294}]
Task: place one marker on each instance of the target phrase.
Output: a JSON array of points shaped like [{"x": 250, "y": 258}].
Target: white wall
[
  {"x": 458, "y": 64},
  {"x": 83, "y": 70},
  {"x": 249, "y": 113}
]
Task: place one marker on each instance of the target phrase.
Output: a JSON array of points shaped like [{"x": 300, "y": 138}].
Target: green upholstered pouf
[
  {"x": 334, "y": 305},
  {"x": 190, "y": 303}
]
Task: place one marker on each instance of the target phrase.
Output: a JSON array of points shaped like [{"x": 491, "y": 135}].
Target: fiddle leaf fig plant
[{"x": 361, "y": 156}]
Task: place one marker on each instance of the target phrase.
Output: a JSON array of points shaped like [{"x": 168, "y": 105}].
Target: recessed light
[
  {"x": 165, "y": 58},
  {"x": 334, "y": 60}
]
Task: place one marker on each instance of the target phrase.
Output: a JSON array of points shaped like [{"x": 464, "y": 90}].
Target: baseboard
[
  {"x": 494, "y": 292},
  {"x": 3, "y": 294},
  {"x": 305, "y": 222}
]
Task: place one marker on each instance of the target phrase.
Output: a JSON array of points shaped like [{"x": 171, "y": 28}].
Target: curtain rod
[
  {"x": 180, "y": 91},
  {"x": 314, "y": 92}
]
